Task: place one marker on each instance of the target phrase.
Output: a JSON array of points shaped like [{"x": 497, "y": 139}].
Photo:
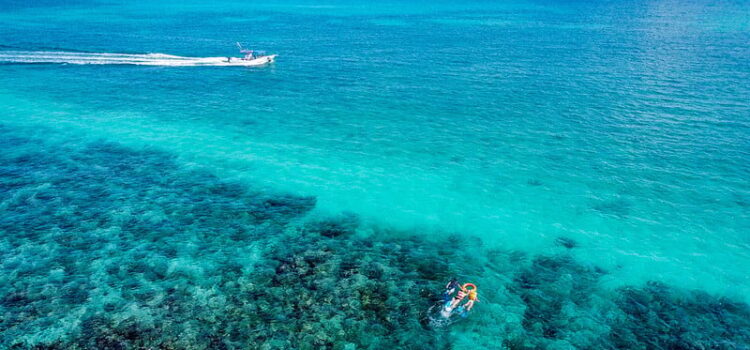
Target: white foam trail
[{"x": 151, "y": 59}]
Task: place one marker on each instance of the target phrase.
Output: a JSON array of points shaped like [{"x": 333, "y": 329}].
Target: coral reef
[{"x": 108, "y": 247}]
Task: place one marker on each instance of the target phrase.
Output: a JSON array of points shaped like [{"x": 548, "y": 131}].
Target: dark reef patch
[
  {"x": 554, "y": 289},
  {"x": 534, "y": 182},
  {"x": 109, "y": 247},
  {"x": 659, "y": 317},
  {"x": 345, "y": 224},
  {"x": 566, "y": 242}
]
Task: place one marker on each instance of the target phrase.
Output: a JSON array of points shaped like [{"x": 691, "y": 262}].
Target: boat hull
[{"x": 263, "y": 60}]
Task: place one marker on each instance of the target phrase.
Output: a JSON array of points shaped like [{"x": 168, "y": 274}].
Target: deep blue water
[{"x": 584, "y": 163}]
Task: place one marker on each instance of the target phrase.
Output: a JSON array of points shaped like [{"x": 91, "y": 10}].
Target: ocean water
[{"x": 585, "y": 164}]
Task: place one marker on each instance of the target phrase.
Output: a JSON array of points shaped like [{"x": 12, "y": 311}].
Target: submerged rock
[
  {"x": 343, "y": 225},
  {"x": 566, "y": 242}
]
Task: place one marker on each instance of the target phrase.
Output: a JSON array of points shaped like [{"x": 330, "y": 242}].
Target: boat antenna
[{"x": 243, "y": 50}]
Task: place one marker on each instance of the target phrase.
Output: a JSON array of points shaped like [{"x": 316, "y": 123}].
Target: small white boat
[{"x": 251, "y": 58}]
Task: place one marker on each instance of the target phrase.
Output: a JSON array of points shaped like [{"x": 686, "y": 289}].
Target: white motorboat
[{"x": 250, "y": 58}]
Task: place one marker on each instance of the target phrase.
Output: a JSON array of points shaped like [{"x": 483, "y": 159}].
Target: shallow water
[{"x": 585, "y": 164}]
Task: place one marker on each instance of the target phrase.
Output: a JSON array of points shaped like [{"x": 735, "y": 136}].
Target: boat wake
[{"x": 151, "y": 59}]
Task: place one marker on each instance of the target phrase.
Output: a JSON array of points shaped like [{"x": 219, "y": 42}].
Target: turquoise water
[{"x": 584, "y": 163}]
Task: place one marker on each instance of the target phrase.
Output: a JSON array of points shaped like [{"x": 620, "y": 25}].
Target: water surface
[{"x": 620, "y": 130}]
